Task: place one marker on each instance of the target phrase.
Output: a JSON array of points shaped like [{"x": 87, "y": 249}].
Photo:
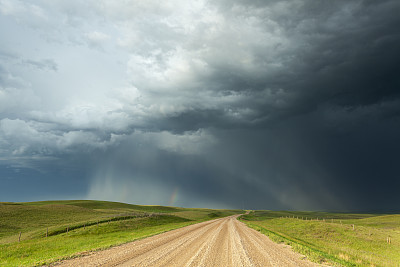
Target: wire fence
[{"x": 56, "y": 230}]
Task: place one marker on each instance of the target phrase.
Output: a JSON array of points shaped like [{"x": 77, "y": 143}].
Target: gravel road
[{"x": 220, "y": 242}]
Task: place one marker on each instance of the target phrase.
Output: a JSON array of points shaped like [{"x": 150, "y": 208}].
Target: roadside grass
[
  {"x": 41, "y": 251},
  {"x": 92, "y": 225},
  {"x": 331, "y": 238}
]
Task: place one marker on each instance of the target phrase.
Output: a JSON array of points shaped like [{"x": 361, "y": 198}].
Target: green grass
[
  {"x": 331, "y": 238},
  {"x": 104, "y": 205},
  {"x": 92, "y": 225}
]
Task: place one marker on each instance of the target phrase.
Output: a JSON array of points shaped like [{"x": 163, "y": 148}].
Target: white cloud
[
  {"x": 96, "y": 38},
  {"x": 23, "y": 12},
  {"x": 16, "y": 101},
  {"x": 32, "y": 138}
]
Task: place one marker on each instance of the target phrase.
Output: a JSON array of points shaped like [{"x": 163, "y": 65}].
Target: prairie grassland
[
  {"x": 332, "y": 238},
  {"x": 76, "y": 227}
]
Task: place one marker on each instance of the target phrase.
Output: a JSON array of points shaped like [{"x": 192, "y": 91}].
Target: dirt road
[{"x": 221, "y": 242}]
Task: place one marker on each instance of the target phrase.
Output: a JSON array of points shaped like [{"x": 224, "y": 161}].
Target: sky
[{"x": 281, "y": 104}]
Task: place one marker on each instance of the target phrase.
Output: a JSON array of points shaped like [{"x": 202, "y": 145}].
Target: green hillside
[
  {"x": 331, "y": 237},
  {"x": 75, "y": 226}
]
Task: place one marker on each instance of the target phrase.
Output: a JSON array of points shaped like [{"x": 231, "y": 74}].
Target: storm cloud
[{"x": 260, "y": 105}]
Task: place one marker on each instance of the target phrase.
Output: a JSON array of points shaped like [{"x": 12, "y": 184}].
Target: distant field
[
  {"x": 329, "y": 237},
  {"x": 91, "y": 225}
]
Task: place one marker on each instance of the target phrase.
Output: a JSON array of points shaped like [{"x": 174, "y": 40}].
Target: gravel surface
[{"x": 221, "y": 242}]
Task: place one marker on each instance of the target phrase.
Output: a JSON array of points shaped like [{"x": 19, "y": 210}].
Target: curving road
[{"x": 221, "y": 242}]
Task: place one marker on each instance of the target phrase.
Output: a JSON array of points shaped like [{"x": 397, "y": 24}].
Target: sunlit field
[
  {"x": 38, "y": 233},
  {"x": 337, "y": 238}
]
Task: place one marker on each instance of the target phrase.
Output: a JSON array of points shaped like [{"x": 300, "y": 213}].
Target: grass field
[
  {"x": 91, "y": 225},
  {"x": 330, "y": 237}
]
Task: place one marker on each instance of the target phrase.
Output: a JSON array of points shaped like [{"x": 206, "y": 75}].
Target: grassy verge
[
  {"x": 92, "y": 225},
  {"x": 331, "y": 238}
]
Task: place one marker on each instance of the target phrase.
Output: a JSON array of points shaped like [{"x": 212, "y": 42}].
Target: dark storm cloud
[
  {"x": 335, "y": 135},
  {"x": 267, "y": 104},
  {"x": 346, "y": 57}
]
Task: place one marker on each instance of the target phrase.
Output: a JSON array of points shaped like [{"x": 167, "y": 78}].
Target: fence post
[
  {"x": 19, "y": 238},
  {"x": 47, "y": 231}
]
